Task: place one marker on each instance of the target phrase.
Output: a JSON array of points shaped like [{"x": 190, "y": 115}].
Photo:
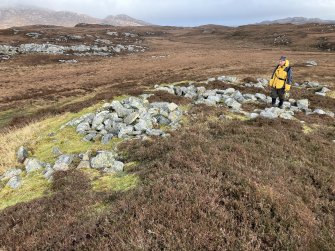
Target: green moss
[
  {"x": 34, "y": 186},
  {"x": 115, "y": 182}
]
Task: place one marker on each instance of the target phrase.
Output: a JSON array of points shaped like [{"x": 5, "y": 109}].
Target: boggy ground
[
  {"x": 215, "y": 184},
  {"x": 32, "y": 86}
]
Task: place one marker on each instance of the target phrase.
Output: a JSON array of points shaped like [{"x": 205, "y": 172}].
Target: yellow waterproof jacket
[{"x": 282, "y": 77}]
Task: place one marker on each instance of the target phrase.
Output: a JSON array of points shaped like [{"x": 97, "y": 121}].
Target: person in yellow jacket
[{"x": 281, "y": 81}]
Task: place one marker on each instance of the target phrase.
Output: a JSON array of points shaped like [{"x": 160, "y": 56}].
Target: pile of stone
[
  {"x": 130, "y": 117},
  {"x": 78, "y": 50},
  {"x": 106, "y": 161},
  {"x": 234, "y": 99}
]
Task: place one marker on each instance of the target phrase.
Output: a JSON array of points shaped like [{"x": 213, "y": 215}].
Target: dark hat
[{"x": 282, "y": 58}]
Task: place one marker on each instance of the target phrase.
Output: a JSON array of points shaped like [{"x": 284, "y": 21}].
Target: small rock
[
  {"x": 303, "y": 104},
  {"x": 311, "y": 63},
  {"x": 286, "y": 115},
  {"x": 83, "y": 127},
  {"x": 48, "y": 173},
  {"x": 103, "y": 160},
  {"x": 166, "y": 89},
  {"x": 131, "y": 118},
  {"x": 117, "y": 166},
  {"x": 32, "y": 165},
  {"x": 253, "y": 115},
  {"x": 89, "y": 137},
  {"x": 261, "y": 96},
  {"x": 106, "y": 139},
  {"x": 22, "y": 154},
  {"x": 154, "y": 132},
  {"x": 125, "y": 131},
  {"x": 163, "y": 120},
  {"x": 172, "y": 106},
  {"x": 325, "y": 90},
  {"x": 227, "y": 79},
  {"x": 10, "y": 173},
  {"x": 321, "y": 94},
  {"x": 14, "y": 182},
  {"x": 84, "y": 164},
  {"x": 56, "y": 151},
  {"x": 99, "y": 119},
  {"x": 319, "y": 111},
  {"x": 232, "y": 103},
  {"x": 63, "y": 162}
]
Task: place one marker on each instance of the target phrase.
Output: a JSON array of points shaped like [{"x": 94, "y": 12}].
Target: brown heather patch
[{"x": 253, "y": 185}]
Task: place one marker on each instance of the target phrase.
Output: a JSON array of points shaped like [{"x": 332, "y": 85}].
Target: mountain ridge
[{"x": 27, "y": 15}]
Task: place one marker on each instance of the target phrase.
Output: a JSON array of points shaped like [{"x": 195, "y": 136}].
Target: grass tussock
[{"x": 214, "y": 185}]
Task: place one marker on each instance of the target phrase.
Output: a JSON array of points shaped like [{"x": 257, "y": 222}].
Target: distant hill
[
  {"x": 22, "y": 16},
  {"x": 298, "y": 21},
  {"x": 123, "y": 20}
]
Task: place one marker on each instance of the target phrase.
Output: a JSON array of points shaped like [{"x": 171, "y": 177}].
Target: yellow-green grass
[
  {"x": 331, "y": 94},
  {"x": 102, "y": 182},
  {"x": 236, "y": 116},
  {"x": 115, "y": 182},
  {"x": 307, "y": 129},
  {"x": 34, "y": 186}
]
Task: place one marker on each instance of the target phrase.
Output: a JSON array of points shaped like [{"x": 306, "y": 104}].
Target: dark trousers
[{"x": 277, "y": 93}]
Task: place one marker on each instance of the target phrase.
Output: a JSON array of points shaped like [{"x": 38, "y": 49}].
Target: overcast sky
[{"x": 192, "y": 12}]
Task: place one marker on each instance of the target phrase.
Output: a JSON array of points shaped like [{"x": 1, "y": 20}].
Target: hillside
[
  {"x": 23, "y": 16},
  {"x": 298, "y": 21}
]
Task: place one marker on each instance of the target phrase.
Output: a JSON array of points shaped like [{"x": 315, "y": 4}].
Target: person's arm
[
  {"x": 289, "y": 80},
  {"x": 272, "y": 77}
]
